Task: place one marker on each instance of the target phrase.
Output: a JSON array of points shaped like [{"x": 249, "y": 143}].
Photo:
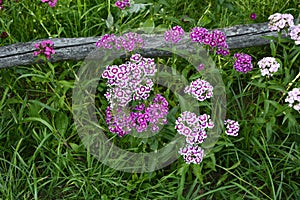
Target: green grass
[{"x": 42, "y": 156}]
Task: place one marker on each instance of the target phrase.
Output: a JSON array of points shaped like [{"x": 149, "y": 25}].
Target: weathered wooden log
[{"x": 67, "y": 49}]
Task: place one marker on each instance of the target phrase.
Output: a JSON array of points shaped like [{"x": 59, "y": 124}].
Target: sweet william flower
[
  {"x": 174, "y": 35},
  {"x": 253, "y": 16},
  {"x": 122, "y": 4},
  {"x": 268, "y": 66},
  {"x": 243, "y": 62},
  {"x": 192, "y": 154},
  {"x": 45, "y": 48},
  {"x": 293, "y": 99},
  {"x": 51, "y": 3},
  {"x": 199, "y": 89},
  {"x": 280, "y": 21},
  {"x": 232, "y": 127},
  {"x": 294, "y": 32}
]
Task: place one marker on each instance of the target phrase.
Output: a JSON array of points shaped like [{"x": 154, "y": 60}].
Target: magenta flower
[
  {"x": 253, "y": 16},
  {"x": 215, "y": 39},
  {"x": 139, "y": 118},
  {"x": 174, "y": 35},
  {"x": 51, "y": 3},
  {"x": 45, "y": 48},
  {"x": 122, "y": 4},
  {"x": 242, "y": 62},
  {"x": 128, "y": 41}
]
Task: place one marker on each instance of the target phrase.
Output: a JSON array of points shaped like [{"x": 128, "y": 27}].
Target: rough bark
[{"x": 75, "y": 49}]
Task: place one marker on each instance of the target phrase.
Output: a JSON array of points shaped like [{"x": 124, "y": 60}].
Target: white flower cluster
[{"x": 268, "y": 66}]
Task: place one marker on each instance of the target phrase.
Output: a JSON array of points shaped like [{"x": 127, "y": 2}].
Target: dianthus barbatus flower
[
  {"x": 199, "y": 89},
  {"x": 45, "y": 47},
  {"x": 122, "y": 4},
  {"x": 280, "y": 21},
  {"x": 294, "y": 32},
  {"x": 293, "y": 99},
  {"x": 192, "y": 154},
  {"x": 193, "y": 127},
  {"x": 268, "y": 66},
  {"x": 232, "y": 127},
  {"x": 129, "y": 81},
  {"x": 174, "y": 35},
  {"x": 242, "y": 62},
  {"x": 140, "y": 118},
  {"x": 128, "y": 41},
  {"x": 51, "y": 3},
  {"x": 215, "y": 39}
]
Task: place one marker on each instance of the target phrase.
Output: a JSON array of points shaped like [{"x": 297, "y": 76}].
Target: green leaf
[
  {"x": 273, "y": 48},
  {"x": 75, "y": 147},
  {"x": 149, "y": 26},
  {"x": 197, "y": 172},
  {"x": 61, "y": 122},
  {"x": 110, "y": 21}
]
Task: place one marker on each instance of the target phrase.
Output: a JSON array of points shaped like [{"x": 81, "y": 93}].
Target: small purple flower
[
  {"x": 268, "y": 66},
  {"x": 174, "y": 35},
  {"x": 293, "y": 99},
  {"x": 243, "y": 62},
  {"x": 253, "y": 16},
  {"x": 294, "y": 32},
  {"x": 122, "y": 4},
  {"x": 280, "y": 21},
  {"x": 51, "y": 3},
  {"x": 200, "y": 67},
  {"x": 45, "y": 47},
  {"x": 232, "y": 127}
]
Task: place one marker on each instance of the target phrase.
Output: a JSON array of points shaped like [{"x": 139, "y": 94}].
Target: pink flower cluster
[
  {"x": 129, "y": 41},
  {"x": 174, "y": 35},
  {"x": 199, "y": 89},
  {"x": 1, "y": 5},
  {"x": 192, "y": 154},
  {"x": 242, "y": 62},
  {"x": 280, "y": 21},
  {"x": 215, "y": 39},
  {"x": 232, "y": 127},
  {"x": 293, "y": 99},
  {"x": 268, "y": 66},
  {"x": 294, "y": 32},
  {"x": 51, "y": 3},
  {"x": 45, "y": 48},
  {"x": 129, "y": 81},
  {"x": 194, "y": 128},
  {"x": 139, "y": 118},
  {"x": 122, "y": 4}
]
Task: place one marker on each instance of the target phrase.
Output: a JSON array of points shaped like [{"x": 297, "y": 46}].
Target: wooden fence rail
[{"x": 67, "y": 49}]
